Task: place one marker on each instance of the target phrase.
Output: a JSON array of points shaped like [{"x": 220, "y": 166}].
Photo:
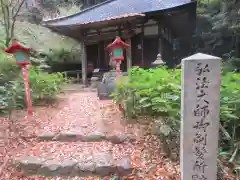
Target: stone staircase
[
  {"x": 85, "y": 162},
  {"x": 88, "y": 141},
  {"x": 77, "y": 135}
]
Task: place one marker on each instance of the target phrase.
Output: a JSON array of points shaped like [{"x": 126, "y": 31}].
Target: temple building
[{"x": 151, "y": 27}]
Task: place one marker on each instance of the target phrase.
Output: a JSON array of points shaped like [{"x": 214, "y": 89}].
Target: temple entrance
[{"x": 93, "y": 55}]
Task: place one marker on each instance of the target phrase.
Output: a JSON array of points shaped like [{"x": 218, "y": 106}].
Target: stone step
[
  {"x": 87, "y": 161},
  {"x": 95, "y": 136}
]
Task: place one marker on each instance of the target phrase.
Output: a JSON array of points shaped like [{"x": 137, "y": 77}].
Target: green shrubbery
[
  {"x": 12, "y": 95},
  {"x": 63, "y": 55},
  {"x": 151, "y": 92},
  {"x": 157, "y": 93}
]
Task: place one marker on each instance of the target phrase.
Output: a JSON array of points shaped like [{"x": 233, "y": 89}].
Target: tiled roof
[
  {"x": 116, "y": 17},
  {"x": 115, "y": 8}
]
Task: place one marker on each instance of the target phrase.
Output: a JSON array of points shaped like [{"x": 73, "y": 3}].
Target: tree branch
[
  {"x": 4, "y": 8},
  {"x": 14, "y": 18},
  {"x": 18, "y": 9}
]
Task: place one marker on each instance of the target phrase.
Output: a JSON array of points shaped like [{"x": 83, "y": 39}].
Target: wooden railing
[{"x": 78, "y": 74}]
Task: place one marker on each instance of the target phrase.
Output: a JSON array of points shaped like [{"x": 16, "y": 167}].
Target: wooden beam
[
  {"x": 106, "y": 36},
  {"x": 110, "y": 34}
]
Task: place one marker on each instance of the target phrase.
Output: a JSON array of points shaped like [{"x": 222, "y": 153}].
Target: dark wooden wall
[
  {"x": 150, "y": 50},
  {"x": 136, "y": 50}
]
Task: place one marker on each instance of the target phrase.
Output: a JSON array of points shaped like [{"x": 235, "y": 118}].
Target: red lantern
[
  {"x": 116, "y": 48},
  {"x": 21, "y": 54}
]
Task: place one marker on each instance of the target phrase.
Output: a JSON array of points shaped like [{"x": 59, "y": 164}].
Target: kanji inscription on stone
[{"x": 200, "y": 117}]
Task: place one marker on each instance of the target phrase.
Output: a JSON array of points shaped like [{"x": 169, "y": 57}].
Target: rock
[
  {"x": 78, "y": 132},
  {"x": 65, "y": 136},
  {"x": 102, "y": 91},
  {"x": 46, "y": 136},
  {"x": 94, "y": 82},
  {"x": 31, "y": 163},
  {"x": 85, "y": 161},
  {"x": 132, "y": 139},
  {"x": 67, "y": 166},
  {"x": 84, "y": 169},
  {"x": 104, "y": 163},
  {"x": 85, "y": 166},
  {"x": 117, "y": 139},
  {"x": 50, "y": 168},
  {"x": 124, "y": 166},
  {"x": 94, "y": 78},
  {"x": 71, "y": 135},
  {"x": 68, "y": 163},
  {"x": 96, "y": 135},
  {"x": 108, "y": 85},
  {"x": 94, "y": 89}
]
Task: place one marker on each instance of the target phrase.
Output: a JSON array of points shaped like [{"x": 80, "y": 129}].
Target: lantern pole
[
  {"x": 27, "y": 89},
  {"x": 118, "y": 68}
]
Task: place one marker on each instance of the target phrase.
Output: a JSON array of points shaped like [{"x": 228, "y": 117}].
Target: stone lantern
[{"x": 158, "y": 61}]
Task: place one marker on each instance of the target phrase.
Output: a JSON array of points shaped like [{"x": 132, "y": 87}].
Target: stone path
[
  {"x": 82, "y": 159},
  {"x": 86, "y": 137}
]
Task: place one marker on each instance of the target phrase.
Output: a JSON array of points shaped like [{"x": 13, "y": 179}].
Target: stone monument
[{"x": 200, "y": 117}]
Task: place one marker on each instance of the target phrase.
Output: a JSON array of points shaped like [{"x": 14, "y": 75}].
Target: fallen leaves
[
  {"x": 147, "y": 156},
  {"x": 17, "y": 134}
]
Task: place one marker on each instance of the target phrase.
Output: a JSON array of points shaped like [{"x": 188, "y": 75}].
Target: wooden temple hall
[{"x": 150, "y": 27}]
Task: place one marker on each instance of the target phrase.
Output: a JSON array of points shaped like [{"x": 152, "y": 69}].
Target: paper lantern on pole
[
  {"x": 117, "y": 48},
  {"x": 20, "y": 52}
]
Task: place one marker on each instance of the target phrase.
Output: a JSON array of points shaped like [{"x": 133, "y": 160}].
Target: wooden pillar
[
  {"x": 129, "y": 54},
  {"x": 84, "y": 63},
  {"x": 160, "y": 44},
  {"x": 191, "y": 30},
  {"x": 142, "y": 41}
]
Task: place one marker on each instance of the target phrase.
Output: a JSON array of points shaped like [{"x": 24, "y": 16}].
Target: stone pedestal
[
  {"x": 94, "y": 82},
  {"x": 108, "y": 85}
]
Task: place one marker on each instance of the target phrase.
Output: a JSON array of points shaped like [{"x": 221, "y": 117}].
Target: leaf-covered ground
[{"x": 17, "y": 134}]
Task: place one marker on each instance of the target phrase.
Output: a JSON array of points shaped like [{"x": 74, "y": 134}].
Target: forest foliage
[
  {"x": 44, "y": 43},
  {"x": 218, "y": 30}
]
